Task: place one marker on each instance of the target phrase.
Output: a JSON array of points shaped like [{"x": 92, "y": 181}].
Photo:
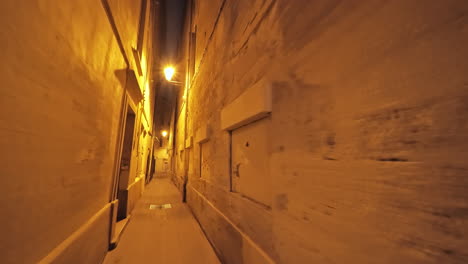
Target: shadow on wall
[
  {"x": 128, "y": 80},
  {"x": 121, "y": 75}
]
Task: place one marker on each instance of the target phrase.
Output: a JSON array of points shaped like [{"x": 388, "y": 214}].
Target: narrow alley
[
  {"x": 160, "y": 225},
  {"x": 234, "y": 131}
]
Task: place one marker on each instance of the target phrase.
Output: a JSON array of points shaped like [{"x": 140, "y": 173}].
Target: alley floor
[{"x": 162, "y": 235}]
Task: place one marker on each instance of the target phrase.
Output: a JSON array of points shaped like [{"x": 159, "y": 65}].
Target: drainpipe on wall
[
  {"x": 188, "y": 84},
  {"x": 120, "y": 134},
  {"x": 118, "y": 150},
  {"x": 187, "y": 150}
]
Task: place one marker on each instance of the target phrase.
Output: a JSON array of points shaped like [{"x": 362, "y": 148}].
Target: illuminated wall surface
[
  {"x": 338, "y": 130},
  {"x": 305, "y": 131},
  {"x": 63, "y": 80}
]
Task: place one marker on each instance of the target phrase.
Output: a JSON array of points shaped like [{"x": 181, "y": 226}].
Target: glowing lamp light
[
  {"x": 169, "y": 72},
  {"x": 164, "y": 133}
]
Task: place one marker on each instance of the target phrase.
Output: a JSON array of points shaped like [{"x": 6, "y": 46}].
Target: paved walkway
[{"x": 163, "y": 236}]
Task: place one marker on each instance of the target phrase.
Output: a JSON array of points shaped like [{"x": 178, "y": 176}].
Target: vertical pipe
[{"x": 118, "y": 148}]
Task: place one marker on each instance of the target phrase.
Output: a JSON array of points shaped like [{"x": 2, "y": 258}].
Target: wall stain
[{"x": 282, "y": 201}]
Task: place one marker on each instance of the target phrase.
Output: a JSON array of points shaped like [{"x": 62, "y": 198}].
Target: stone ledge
[{"x": 255, "y": 103}]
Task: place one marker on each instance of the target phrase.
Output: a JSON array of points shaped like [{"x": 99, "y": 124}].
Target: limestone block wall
[
  {"x": 61, "y": 101},
  {"x": 367, "y": 154}
]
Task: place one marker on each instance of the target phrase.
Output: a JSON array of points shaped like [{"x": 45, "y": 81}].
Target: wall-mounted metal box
[{"x": 250, "y": 168}]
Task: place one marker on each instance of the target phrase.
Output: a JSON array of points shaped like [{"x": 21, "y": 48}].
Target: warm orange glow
[
  {"x": 169, "y": 72},
  {"x": 164, "y": 133}
]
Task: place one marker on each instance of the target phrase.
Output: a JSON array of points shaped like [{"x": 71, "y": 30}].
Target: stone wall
[
  {"x": 367, "y": 154},
  {"x": 61, "y": 103}
]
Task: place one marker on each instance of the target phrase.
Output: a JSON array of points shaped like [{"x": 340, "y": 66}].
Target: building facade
[
  {"x": 326, "y": 131},
  {"x": 77, "y": 99}
]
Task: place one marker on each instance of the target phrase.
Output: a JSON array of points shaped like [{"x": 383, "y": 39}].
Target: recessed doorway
[{"x": 124, "y": 173}]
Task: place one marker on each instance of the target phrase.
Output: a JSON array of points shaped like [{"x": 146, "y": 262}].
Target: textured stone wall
[
  {"x": 60, "y": 100},
  {"x": 368, "y": 153}
]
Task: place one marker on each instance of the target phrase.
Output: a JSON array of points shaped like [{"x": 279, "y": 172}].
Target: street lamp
[{"x": 169, "y": 73}]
